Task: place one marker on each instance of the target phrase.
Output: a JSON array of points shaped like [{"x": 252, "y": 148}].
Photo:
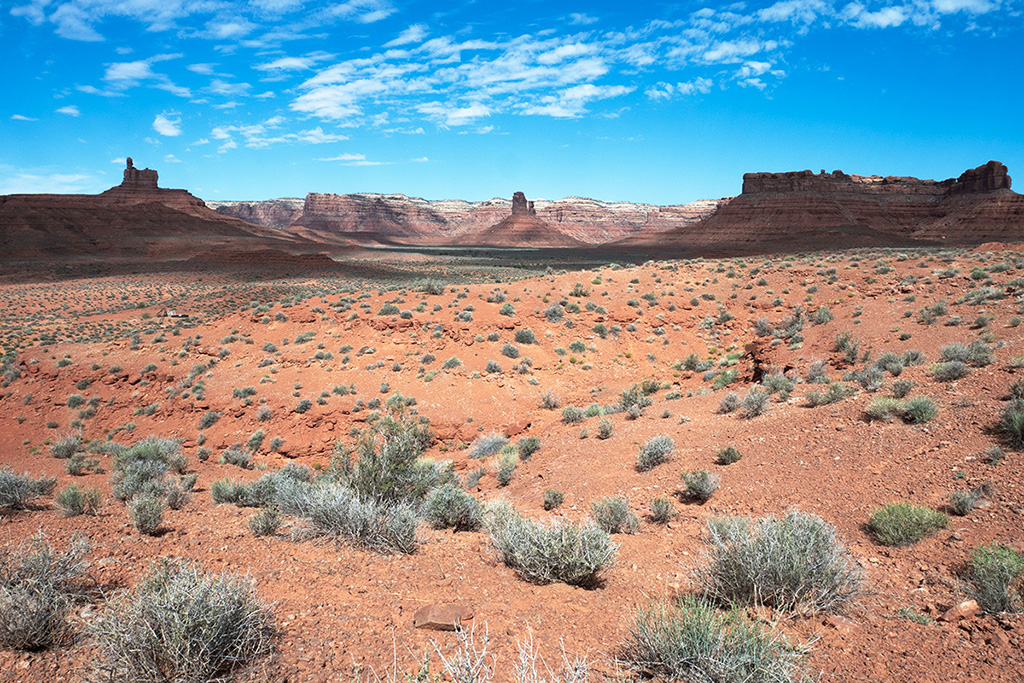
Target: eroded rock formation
[
  {"x": 806, "y": 210},
  {"x": 520, "y": 229}
]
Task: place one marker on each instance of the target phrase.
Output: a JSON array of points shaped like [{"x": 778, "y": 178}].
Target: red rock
[
  {"x": 964, "y": 610},
  {"x": 517, "y": 428},
  {"x": 442, "y": 617}
]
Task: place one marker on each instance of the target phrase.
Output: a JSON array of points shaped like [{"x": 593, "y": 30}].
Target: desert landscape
[{"x": 487, "y": 463}]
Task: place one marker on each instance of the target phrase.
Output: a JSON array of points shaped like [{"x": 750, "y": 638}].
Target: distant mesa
[
  {"x": 521, "y": 229},
  {"x": 521, "y": 207}
]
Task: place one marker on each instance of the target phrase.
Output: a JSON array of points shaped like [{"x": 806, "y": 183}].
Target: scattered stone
[
  {"x": 442, "y": 617},
  {"x": 967, "y": 609}
]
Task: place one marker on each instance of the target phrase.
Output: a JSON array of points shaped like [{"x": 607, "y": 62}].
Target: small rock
[
  {"x": 440, "y": 617},
  {"x": 964, "y": 610}
]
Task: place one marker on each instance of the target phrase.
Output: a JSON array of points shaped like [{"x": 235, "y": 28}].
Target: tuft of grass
[
  {"x": 38, "y": 587},
  {"x": 701, "y": 484},
  {"x": 527, "y": 446},
  {"x": 147, "y": 513},
  {"x": 692, "y": 641},
  {"x": 662, "y": 510},
  {"x": 184, "y": 625},
  {"x": 1011, "y": 424},
  {"x": 613, "y": 515},
  {"x": 74, "y": 500},
  {"x": 994, "y": 573},
  {"x": 546, "y": 552},
  {"x": 793, "y": 563},
  {"x": 553, "y": 499},
  {"x": 449, "y": 507},
  {"x": 18, "y": 490},
  {"x": 900, "y": 524},
  {"x": 654, "y": 452},
  {"x": 265, "y": 522},
  {"x": 66, "y": 446}
]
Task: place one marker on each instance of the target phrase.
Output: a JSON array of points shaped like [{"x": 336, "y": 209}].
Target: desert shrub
[
  {"x": 634, "y": 397},
  {"x": 266, "y": 522},
  {"x": 451, "y": 363},
  {"x": 913, "y": 357},
  {"x": 654, "y": 452},
  {"x": 793, "y": 563},
  {"x": 817, "y": 373},
  {"x": 890, "y": 362},
  {"x": 725, "y": 378},
  {"x": 1011, "y": 423},
  {"x": 38, "y": 587},
  {"x": 208, "y": 419},
  {"x": 66, "y": 446},
  {"x": 488, "y": 445},
  {"x": 545, "y": 552},
  {"x": 550, "y": 400},
  {"x": 17, "y": 490},
  {"x": 78, "y": 464},
  {"x": 662, "y": 510},
  {"x": 553, "y": 499},
  {"x": 234, "y": 455},
  {"x": 525, "y": 337},
  {"x": 507, "y": 466},
  {"x": 493, "y": 368},
  {"x": 728, "y": 455},
  {"x": 692, "y": 641},
  {"x": 729, "y": 403},
  {"x": 573, "y": 415},
  {"x": 778, "y": 383},
  {"x": 255, "y": 440},
  {"x": 139, "y": 476},
  {"x": 899, "y": 524},
  {"x": 527, "y": 446},
  {"x": 449, "y": 507},
  {"x": 883, "y": 408},
  {"x": 836, "y": 392},
  {"x": 183, "y": 625},
  {"x": 509, "y": 350},
  {"x": 871, "y": 379},
  {"x": 949, "y": 371},
  {"x": 303, "y": 406},
  {"x": 338, "y": 512},
  {"x": 994, "y": 573},
  {"x": 962, "y": 502},
  {"x": 848, "y": 346},
  {"x": 604, "y": 428},
  {"x": 612, "y": 515},
  {"x": 754, "y": 403},
  {"x": 75, "y": 400},
  {"x": 901, "y": 387},
  {"x": 822, "y": 315},
  {"x": 700, "y": 484},
  {"x": 74, "y": 500},
  {"x": 147, "y": 513},
  {"x": 919, "y": 410}
]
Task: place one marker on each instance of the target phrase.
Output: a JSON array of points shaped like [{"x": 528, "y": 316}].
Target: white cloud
[
  {"x": 420, "y": 160},
  {"x": 345, "y": 157},
  {"x": 665, "y": 91},
  {"x": 171, "y": 159},
  {"x": 287, "y": 64},
  {"x": 414, "y": 34},
  {"x": 55, "y": 183},
  {"x": 969, "y": 6},
  {"x": 70, "y": 110},
  {"x": 362, "y": 11},
  {"x": 728, "y": 51},
  {"x": 230, "y": 144},
  {"x": 448, "y": 115},
  {"x": 167, "y": 124},
  {"x": 121, "y": 76},
  {"x": 571, "y": 102},
  {"x": 886, "y": 17},
  {"x": 229, "y": 30},
  {"x": 802, "y": 11},
  {"x": 19, "y": 117},
  {"x": 202, "y": 69},
  {"x": 354, "y": 160},
  {"x": 581, "y": 19}
]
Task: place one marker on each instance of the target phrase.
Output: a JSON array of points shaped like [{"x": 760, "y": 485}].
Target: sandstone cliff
[
  {"x": 378, "y": 217},
  {"x": 805, "y": 210},
  {"x": 522, "y": 228}
]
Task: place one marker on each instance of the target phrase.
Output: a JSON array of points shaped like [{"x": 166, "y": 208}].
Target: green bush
[
  {"x": 544, "y": 552},
  {"x": 66, "y": 446},
  {"x": 919, "y": 410},
  {"x": 701, "y": 484},
  {"x": 613, "y": 516},
  {"x": 74, "y": 500},
  {"x": 883, "y": 408},
  {"x": 654, "y": 452},
  {"x": 336, "y": 511},
  {"x": 208, "y": 419},
  {"x": 754, "y": 403},
  {"x": 994, "y": 572},
  {"x": 692, "y": 641},
  {"x": 449, "y": 507},
  {"x": 899, "y": 524},
  {"x": 836, "y": 392},
  {"x": 507, "y": 465},
  {"x": 604, "y": 428},
  {"x": 265, "y": 522},
  {"x": 662, "y": 510},
  {"x": 180, "y": 624},
  {"x": 962, "y": 502},
  {"x": 553, "y": 499},
  {"x": 527, "y": 446},
  {"x": 147, "y": 513},
  {"x": 509, "y": 350},
  {"x": 525, "y": 337},
  {"x": 17, "y": 490},
  {"x": 1011, "y": 423},
  {"x": 234, "y": 455},
  {"x": 793, "y": 563},
  {"x": 728, "y": 455},
  {"x": 573, "y": 415},
  {"x": 487, "y": 445},
  {"x": 949, "y": 371},
  {"x": 38, "y": 587}
]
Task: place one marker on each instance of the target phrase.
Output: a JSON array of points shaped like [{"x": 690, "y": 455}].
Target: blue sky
[{"x": 653, "y": 101}]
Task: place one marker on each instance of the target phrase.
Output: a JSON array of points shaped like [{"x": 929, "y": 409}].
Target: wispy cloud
[
  {"x": 52, "y": 183},
  {"x": 414, "y": 34},
  {"x": 167, "y": 124},
  {"x": 19, "y": 117},
  {"x": 354, "y": 160},
  {"x": 70, "y": 110}
]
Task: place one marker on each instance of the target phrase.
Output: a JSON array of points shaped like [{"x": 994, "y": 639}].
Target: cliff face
[
  {"x": 520, "y": 229},
  {"x": 820, "y": 210},
  {"x": 411, "y": 219}
]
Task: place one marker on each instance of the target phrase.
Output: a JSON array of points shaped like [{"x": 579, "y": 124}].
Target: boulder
[{"x": 442, "y": 617}]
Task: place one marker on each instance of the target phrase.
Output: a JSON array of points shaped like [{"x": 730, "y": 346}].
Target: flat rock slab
[{"x": 442, "y": 617}]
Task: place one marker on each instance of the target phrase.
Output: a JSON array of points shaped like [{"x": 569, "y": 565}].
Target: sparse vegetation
[
  {"x": 654, "y": 452},
  {"x": 899, "y": 524}
]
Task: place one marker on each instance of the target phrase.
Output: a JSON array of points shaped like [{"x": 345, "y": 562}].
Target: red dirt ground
[{"x": 338, "y": 606}]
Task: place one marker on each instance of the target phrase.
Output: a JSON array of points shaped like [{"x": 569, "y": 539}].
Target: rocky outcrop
[
  {"x": 520, "y": 229},
  {"x": 368, "y": 217},
  {"x": 806, "y": 210},
  {"x": 136, "y": 219},
  {"x": 274, "y": 213}
]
